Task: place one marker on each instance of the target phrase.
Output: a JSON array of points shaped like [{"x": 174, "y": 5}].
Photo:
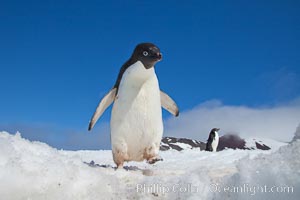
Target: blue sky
[{"x": 58, "y": 58}]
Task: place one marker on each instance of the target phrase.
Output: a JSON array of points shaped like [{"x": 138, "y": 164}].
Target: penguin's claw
[{"x": 154, "y": 160}]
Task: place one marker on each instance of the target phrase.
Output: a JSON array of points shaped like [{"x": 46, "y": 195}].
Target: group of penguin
[{"x": 136, "y": 119}]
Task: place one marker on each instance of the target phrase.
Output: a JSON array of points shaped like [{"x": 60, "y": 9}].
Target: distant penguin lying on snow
[
  {"x": 136, "y": 118},
  {"x": 213, "y": 140}
]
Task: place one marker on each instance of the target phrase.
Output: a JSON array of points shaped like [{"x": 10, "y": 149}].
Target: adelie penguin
[
  {"x": 213, "y": 140},
  {"x": 136, "y": 118}
]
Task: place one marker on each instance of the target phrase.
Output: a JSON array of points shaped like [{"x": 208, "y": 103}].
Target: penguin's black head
[
  {"x": 147, "y": 53},
  {"x": 213, "y": 131}
]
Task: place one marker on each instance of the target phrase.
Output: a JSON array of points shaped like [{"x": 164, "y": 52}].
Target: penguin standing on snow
[
  {"x": 136, "y": 118},
  {"x": 213, "y": 140}
]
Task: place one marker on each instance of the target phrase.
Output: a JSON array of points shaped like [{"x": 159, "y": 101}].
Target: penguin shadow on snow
[{"x": 146, "y": 172}]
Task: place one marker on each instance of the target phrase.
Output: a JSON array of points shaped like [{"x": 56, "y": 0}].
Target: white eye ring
[{"x": 145, "y": 53}]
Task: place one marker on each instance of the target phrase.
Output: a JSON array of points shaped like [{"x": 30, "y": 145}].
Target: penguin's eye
[{"x": 145, "y": 53}]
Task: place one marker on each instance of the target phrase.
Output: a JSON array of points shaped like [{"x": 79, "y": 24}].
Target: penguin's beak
[
  {"x": 218, "y": 129},
  {"x": 158, "y": 55}
]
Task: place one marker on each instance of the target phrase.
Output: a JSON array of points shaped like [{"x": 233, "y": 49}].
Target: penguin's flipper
[
  {"x": 103, "y": 105},
  {"x": 169, "y": 104}
]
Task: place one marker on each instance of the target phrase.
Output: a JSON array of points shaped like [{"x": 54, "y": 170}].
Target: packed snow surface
[{"x": 34, "y": 170}]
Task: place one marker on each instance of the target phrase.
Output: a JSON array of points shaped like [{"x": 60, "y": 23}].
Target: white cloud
[{"x": 278, "y": 122}]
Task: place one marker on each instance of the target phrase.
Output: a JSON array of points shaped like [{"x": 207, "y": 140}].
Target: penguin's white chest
[
  {"x": 215, "y": 142},
  {"x": 136, "y": 120}
]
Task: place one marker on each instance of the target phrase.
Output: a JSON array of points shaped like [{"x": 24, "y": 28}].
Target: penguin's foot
[
  {"x": 120, "y": 156},
  {"x": 154, "y": 160},
  {"x": 119, "y": 166}
]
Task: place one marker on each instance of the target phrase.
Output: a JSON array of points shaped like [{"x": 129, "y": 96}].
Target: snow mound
[
  {"x": 34, "y": 170},
  {"x": 297, "y": 134},
  {"x": 276, "y": 176}
]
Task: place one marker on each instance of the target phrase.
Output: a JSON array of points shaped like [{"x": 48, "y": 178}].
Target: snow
[
  {"x": 297, "y": 133},
  {"x": 34, "y": 170}
]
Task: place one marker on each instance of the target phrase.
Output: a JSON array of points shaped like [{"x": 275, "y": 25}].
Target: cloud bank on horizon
[{"x": 278, "y": 122}]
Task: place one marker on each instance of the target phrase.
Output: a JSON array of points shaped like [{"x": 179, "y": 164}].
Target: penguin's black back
[
  {"x": 210, "y": 139},
  {"x": 122, "y": 70}
]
